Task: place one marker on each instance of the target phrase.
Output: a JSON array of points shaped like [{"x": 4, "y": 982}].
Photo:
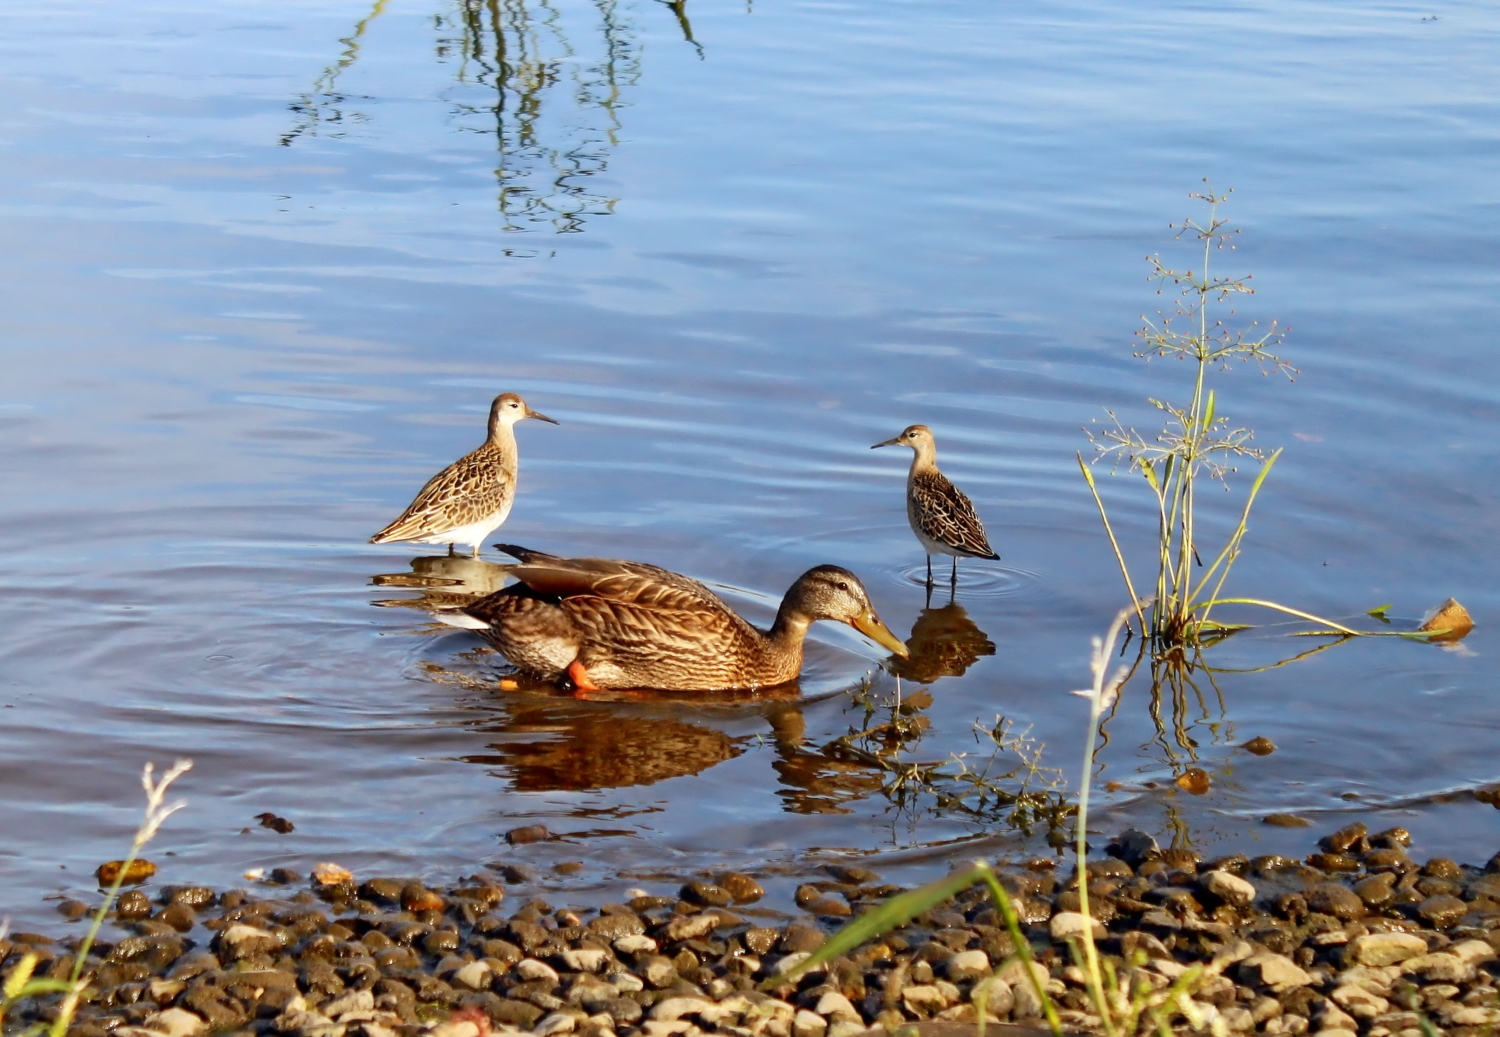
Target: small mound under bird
[
  {"x": 941, "y": 516},
  {"x": 468, "y": 500}
]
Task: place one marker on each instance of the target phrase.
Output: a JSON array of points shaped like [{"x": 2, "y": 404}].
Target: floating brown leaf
[
  {"x": 139, "y": 871},
  {"x": 1450, "y": 620},
  {"x": 1194, "y": 780},
  {"x": 1260, "y": 746}
]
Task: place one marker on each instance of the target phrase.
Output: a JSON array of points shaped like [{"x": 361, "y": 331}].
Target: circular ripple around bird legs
[{"x": 977, "y": 577}]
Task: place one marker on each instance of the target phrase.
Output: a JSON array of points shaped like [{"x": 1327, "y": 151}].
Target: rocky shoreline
[{"x": 1357, "y": 939}]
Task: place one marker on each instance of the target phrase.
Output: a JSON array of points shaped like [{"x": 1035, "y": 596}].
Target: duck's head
[
  {"x": 509, "y": 408},
  {"x": 829, "y": 592},
  {"x": 918, "y": 437}
]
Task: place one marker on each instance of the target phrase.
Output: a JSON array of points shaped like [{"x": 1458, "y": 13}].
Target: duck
[
  {"x": 941, "y": 515},
  {"x": 472, "y": 497},
  {"x": 603, "y": 623}
]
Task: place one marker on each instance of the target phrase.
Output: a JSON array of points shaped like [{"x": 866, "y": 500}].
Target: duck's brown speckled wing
[
  {"x": 946, "y": 515},
  {"x": 641, "y": 625},
  {"x": 469, "y": 490}
]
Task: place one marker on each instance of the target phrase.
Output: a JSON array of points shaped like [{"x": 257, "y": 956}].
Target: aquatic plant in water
[{"x": 1196, "y": 442}]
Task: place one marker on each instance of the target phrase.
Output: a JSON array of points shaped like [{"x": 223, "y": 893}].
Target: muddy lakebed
[{"x": 267, "y": 264}]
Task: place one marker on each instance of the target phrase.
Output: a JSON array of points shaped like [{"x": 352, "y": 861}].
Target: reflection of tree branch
[
  {"x": 679, "y": 8},
  {"x": 308, "y": 106}
]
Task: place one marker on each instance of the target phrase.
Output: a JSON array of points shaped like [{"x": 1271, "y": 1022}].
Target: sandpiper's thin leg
[
  {"x": 953, "y": 580},
  {"x": 476, "y": 550},
  {"x": 451, "y": 552},
  {"x": 929, "y": 571}
]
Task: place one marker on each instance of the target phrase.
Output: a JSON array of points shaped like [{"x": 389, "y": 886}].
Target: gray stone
[
  {"x": 1276, "y": 972},
  {"x": 1377, "y": 949},
  {"x": 1231, "y": 889}
]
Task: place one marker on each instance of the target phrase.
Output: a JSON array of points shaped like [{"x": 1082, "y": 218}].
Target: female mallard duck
[{"x": 610, "y": 624}]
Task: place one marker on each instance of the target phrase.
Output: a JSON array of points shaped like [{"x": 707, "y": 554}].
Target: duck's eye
[{"x": 843, "y": 586}]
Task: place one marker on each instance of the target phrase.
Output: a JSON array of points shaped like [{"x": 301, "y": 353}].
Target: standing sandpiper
[
  {"x": 467, "y": 501},
  {"x": 939, "y": 513}
]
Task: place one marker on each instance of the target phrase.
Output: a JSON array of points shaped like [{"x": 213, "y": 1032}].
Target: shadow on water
[{"x": 554, "y": 114}]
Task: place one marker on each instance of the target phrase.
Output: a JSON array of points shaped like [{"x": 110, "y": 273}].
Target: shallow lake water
[{"x": 265, "y": 266}]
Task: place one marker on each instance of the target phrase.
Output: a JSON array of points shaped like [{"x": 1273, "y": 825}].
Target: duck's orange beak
[{"x": 870, "y": 625}]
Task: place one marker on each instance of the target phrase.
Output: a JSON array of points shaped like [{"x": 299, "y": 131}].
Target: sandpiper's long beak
[
  {"x": 888, "y": 442},
  {"x": 870, "y": 625},
  {"x": 538, "y": 415}
]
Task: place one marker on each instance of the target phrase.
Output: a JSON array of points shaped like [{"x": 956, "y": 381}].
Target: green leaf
[
  {"x": 891, "y": 914},
  {"x": 1208, "y": 412},
  {"x": 1379, "y": 612},
  {"x": 1150, "y": 473}
]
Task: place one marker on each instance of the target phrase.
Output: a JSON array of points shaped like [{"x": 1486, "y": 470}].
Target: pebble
[
  {"x": 742, "y": 888},
  {"x": 1293, "y": 952},
  {"x": 527, "y": 834},
  {"x": 1231, "y": 889},
  {"x": 1286, "y": 821},
  {"x": 1331, "y": 898},
  {"x": 1442, "y": 911},
  {"x": 1276, "y": 972},
  {"x": 1070, "y": 925}
]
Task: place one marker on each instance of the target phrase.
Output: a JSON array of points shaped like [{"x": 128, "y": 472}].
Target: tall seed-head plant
[{"x": 1195, "y": 441}]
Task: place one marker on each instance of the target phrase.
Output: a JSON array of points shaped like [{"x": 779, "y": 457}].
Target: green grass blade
[
  {"x": 1088, "y": 477},
  {"x": 1231, "y": 548},
  {"x": 890, "y": 914}
]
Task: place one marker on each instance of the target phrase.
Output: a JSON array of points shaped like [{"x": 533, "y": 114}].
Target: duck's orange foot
[{"x": 580, "y": 678}]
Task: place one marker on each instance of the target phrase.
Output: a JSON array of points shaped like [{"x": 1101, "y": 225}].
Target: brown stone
[
  {"x": 138, "y": 870},
  {"x": 1442, "y": 911},
  {"x": 527, "y": 834},
  {"x": 1352, "y": 838},
  {"x": 1285, "y": 821},
  {"x": 417, "y": 897},
  {"x": 1330, "y": 898},
  {"x": 742, "y": 888}
]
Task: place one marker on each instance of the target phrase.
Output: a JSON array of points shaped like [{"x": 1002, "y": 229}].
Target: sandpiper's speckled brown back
[
  {"x": 630, "y": 624},
  {"x": 941, "y": 511},
  {"x": 477, "y": 486}
]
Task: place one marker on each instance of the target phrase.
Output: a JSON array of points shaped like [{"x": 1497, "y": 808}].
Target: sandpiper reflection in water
[
  {"x": 944, "y": 642},
  {"x": 444, "y": 582}
]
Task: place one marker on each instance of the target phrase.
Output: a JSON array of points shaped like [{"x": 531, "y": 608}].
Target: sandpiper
[
  {"x": 468, "y": 500},
  {"x": 940, "y": 515}
]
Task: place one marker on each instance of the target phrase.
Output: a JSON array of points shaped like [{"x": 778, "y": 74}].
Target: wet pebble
[{"x": 527, "y": 834}]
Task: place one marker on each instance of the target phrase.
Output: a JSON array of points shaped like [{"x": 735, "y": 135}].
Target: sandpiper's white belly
[
  {"x": 937, "y": 547},
  {"x": 473, "y": 534}
]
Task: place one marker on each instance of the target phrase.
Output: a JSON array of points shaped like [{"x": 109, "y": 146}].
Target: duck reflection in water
[
  {"x": 542, "y": 741},
  {"x": 552, "y": 743}
]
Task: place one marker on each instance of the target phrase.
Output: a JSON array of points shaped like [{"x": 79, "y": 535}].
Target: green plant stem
[
  {"x": 1023, "y": 950},
  {"x": 1232, "y": 548},
  {"x": 1090, "y": 951},
  {"x": 1088, "y": 477},
  {"x": 1339, "y": 627}
]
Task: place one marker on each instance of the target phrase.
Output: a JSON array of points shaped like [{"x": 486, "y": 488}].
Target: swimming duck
[
  {"x": 603, "y": 623},
  {"x": 941, "y": 516},
  {"x": 468, "y": 500}
]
